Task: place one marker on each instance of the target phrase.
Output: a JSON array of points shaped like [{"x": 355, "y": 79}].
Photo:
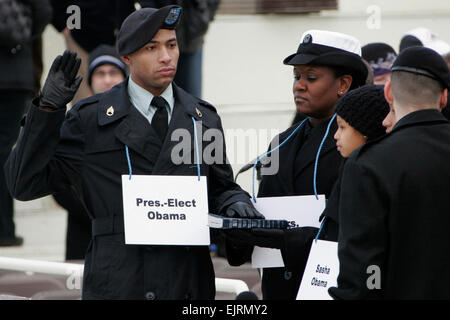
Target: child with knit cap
[{"x": 360, "y": 114}]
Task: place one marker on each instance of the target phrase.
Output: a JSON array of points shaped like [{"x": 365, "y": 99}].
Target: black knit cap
[
  {"x": 140, "y": 27},
  {"x": 364, "y": 109},
  {"x": 425, "y": 62}
]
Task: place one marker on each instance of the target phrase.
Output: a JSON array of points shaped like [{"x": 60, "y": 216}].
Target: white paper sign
[
  {"x": 300, "y": 211},
  {"x": 165, "y": 210},
  {"x": 321, "y": 272}
]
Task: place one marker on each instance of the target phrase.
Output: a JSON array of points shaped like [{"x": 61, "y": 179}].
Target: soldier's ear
[
  {"x": 388, "y": 92},
  {"x": 126, "y": 59},
  {"x": 443, "y": 99}
]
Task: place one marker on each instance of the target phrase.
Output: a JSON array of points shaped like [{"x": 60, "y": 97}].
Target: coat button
[
  {"x": 150, "y": 295},
  {"x": 287, "y": 275},
  {"x": 187, "y": 296}
]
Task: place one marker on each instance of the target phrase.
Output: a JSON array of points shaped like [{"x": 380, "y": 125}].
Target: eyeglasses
[{"x": 115, "y": 72}]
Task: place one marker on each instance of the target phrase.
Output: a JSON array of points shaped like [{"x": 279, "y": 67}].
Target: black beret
[
  {"x": 409, "y": 41},
  {"x": 140, "y": 27},
  {"x": 331, "y": 49},
  {"x": 364, "y": 109},
  {"x": 424, "y": 37},
  {"x": 423, "y": 61}
]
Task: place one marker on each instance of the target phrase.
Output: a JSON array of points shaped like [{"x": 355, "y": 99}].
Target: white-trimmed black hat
[{"x": 333, "y": 49}]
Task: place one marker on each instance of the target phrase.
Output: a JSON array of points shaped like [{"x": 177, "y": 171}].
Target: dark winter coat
[
  {"x": 394, "y": 214},
  {"x": 295, "y": 177}
]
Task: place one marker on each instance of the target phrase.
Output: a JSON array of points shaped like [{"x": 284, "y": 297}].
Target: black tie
[{"x": 160, "y": 118}]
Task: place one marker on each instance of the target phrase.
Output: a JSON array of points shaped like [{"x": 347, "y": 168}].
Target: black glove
[
  {"x": 266, "y": 238},
  {"x": 241, "y": 209},
  {"x": 239, "y": 237},
  {"x": 61, "y": 84},
  {"x": 298, "y": 244}
]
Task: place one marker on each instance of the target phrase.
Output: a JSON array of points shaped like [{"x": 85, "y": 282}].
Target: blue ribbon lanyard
[
  {"x": 269, "y": 152},
  {"x": 315, "y": 173},
  {"x": 196, "y": 148},
  {"x": 316, "y": 164},
  {"x": 320, "y": 229},
  {"x": 130, "y": 170},
  {"x": 277, "y": 147}
]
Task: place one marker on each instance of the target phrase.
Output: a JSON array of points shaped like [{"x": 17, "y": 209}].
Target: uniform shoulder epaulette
[
  {"x": 87, "y": 101},
  {"x": 207, "y": 104}
]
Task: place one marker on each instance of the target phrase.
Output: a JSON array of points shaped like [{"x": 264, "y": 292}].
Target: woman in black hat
[{"x": 326, "y": 66}]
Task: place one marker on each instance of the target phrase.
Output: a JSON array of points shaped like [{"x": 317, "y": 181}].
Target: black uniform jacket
[
  {"x": 295, "y": 177},
  {"x": 394, "y": 214},
  {"x": 86, "y": 152}
]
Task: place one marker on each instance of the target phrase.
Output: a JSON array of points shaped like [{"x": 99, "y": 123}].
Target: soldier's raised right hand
[{"x": 61, "y": 83}]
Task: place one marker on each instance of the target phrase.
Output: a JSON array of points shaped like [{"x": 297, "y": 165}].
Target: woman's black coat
[{"x": 295, "y": 177}]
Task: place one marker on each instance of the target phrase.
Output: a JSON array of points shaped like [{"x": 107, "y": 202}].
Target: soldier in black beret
[
  {"x": 394, "y": 204},
  {"x": 412, "y": 63},
  {"x": 125, "y": 130}
]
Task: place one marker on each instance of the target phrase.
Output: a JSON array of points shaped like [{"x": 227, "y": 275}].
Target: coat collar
[
  {"x": 133, "y": 130},
  {"x": 116, "y": 104},
  {"x": 420, "y": 117},
  {"x": 198, "y": 109},
  {"x": 308, "y": 151}
]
